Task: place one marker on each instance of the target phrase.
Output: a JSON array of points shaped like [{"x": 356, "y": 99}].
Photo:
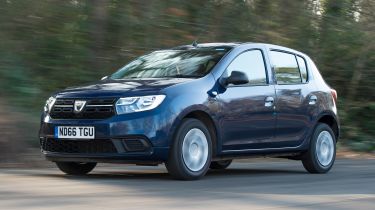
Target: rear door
[
  {"x": 293, "y": 93},
  {"x": 248, "y": 121}
]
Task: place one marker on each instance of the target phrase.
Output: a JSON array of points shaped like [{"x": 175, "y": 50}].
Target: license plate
[{"x": 75, "y": 132}]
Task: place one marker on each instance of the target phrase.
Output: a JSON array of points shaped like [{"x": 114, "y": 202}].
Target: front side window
[
  {"x": 192, "y": 63},
  {"x": 286, "y": 68},
  {"x": 252, "y": 64}
]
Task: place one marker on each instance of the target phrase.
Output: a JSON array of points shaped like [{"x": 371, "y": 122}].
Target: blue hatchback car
[{"x": 196, "y": 107}]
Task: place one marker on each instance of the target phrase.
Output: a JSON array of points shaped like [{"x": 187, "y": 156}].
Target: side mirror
[
  {"x": 104, "y": 78},
  {"x": 235, "y": 78}
]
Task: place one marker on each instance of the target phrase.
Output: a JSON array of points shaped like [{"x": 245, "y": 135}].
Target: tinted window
[
  {"x": 251, "y": 63},
  {"x": 171, "y": 63},
  {"x": 286, "y": 68},
  {"x": 302, "y": 68}
]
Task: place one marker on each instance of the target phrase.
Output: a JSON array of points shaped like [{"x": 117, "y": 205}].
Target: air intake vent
[
  {"x": 136, "y": 145},
  {"x": 78, "y": 146}
]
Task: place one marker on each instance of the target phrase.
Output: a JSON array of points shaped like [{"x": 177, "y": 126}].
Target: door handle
[
  {"x": 268, "y": 102},
  {"x": 312, "y": 100}
]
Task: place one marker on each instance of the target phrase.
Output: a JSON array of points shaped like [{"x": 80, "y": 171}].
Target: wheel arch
[
  {"x": 203, "y": 116},
  {"x": 208, "y": 121},
  {"x": 331, "y": 121}
]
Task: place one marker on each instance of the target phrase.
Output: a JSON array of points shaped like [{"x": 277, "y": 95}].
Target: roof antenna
[{"x": 195, "y": 43}]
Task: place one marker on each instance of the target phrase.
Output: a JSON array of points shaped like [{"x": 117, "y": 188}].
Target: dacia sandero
[{"x": 196, "y": 107}]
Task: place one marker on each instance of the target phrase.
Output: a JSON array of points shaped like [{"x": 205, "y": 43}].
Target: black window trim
[
  {"x": 295, "y": 57},
  {"x": 307, "y": 69},
  {"x": 265, "y": 69}
]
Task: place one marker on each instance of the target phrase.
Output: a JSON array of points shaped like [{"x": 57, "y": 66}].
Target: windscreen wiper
[{"x": 183, "y": 76}]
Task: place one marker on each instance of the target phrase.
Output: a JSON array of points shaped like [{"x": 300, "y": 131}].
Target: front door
[{"x": 247, "y": 111}]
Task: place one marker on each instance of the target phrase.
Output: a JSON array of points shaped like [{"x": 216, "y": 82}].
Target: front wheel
[
  {"x": 322, "y": 151},
  {"x": 190, "y": 155},
  {"x": 74, "y": 168}
]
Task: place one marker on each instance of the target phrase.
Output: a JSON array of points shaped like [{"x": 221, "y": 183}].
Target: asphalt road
[{"x": 254, "y": 184}]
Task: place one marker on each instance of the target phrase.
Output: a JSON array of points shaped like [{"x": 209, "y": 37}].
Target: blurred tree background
[{"x": 47, "y": 45}]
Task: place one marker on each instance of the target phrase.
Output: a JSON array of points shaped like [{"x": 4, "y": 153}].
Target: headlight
[
  {"x": 49, "y": 104},
  {"x": 138, "y": 104}
]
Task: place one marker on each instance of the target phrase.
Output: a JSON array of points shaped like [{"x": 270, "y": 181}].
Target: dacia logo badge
[{"x": 79, "y": 105}]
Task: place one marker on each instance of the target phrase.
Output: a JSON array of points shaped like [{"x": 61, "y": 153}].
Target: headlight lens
[
  {"x": 138, "y": 104},
  {"x": 49, "y": 104}
]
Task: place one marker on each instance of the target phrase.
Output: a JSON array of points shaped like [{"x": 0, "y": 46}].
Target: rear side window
[
  {"x": 252, "y": 63},
  {"x": 302, "y": 68},
  {"x": 286, "y": 68}
]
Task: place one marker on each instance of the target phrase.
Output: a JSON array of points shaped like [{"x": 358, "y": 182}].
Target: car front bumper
[
  {"x": 155, "y": 157},
  {"x": 134, "y": 138}
]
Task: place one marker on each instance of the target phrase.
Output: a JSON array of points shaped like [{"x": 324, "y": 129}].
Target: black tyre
[
  {"x": 73, "y": 168},
  {"x": 220, "y": 165},
  {"x": 190, "y": 154},
  {"x": 322, "y": 152}
]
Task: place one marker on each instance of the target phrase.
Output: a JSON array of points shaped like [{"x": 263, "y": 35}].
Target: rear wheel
[
  {"x": 190, "y": 155},
  {"x": 322, "y": 152},
  {"x": 74, "y": 168},
  {"x": 220, "y": 165}
]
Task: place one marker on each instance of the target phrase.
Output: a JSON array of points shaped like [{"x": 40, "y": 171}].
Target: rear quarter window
[{"x": 303, "y": 68}]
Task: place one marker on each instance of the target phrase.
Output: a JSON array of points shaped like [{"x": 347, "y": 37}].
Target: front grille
[
  {"x": 94, "y": 109},
  {"x": 77, "y": 146}
]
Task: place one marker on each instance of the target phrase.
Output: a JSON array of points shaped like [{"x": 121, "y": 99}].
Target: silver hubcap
[
  {"x": 325, "y": 148},
  {"x": 195, "y": 149}
]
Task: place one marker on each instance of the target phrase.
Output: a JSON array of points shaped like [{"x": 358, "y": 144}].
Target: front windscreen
[{"x": 192, "y": 63}]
